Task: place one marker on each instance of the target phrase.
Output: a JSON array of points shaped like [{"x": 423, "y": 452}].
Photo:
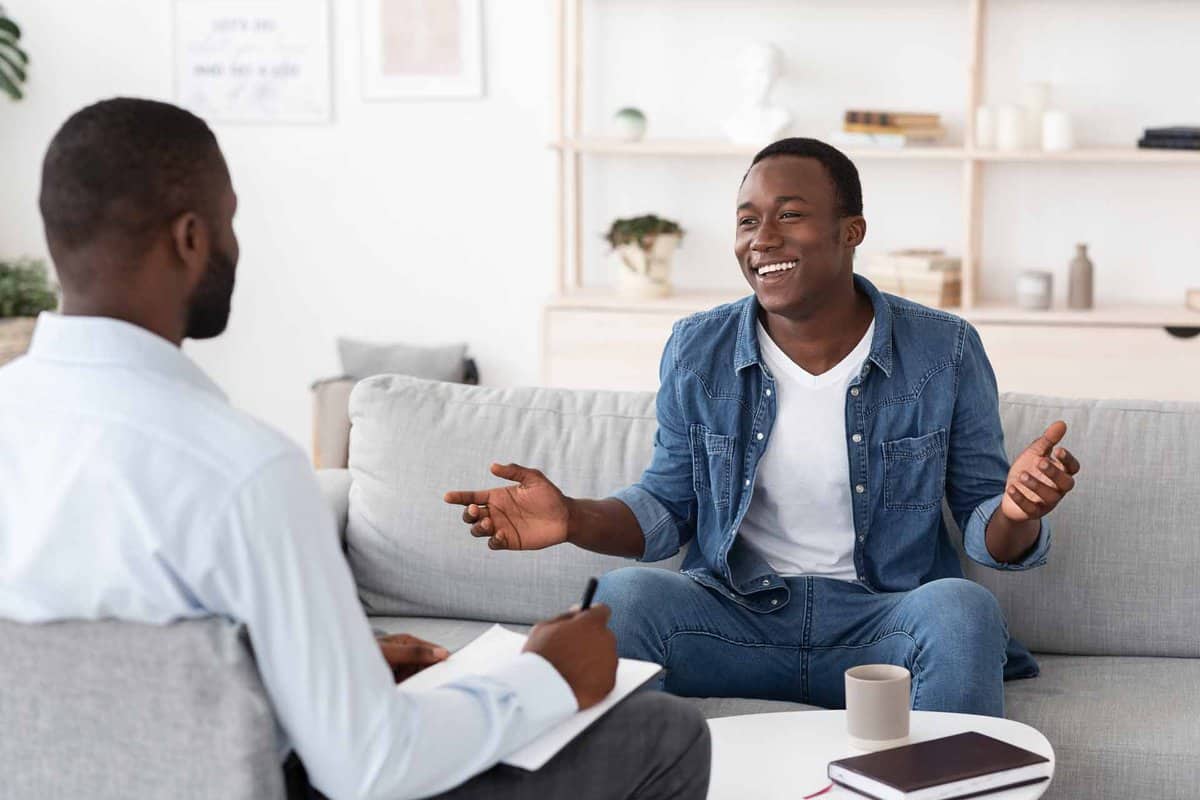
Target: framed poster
[
  {"x": 264, "y": 61},
  {"x": 414, "y": 49}
]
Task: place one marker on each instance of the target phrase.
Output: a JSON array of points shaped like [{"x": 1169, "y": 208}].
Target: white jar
[
  {"x": 1010, "y": 128},
  {"x": 985, "y": 128},
  {"x": 1035, "y": 290},
  {"x": 1056, "y": 131}
]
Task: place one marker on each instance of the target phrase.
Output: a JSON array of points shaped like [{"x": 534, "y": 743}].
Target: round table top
[{"x": 785, "y": 755}]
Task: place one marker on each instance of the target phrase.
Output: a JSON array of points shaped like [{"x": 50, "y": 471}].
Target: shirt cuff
[
  {"x": 975, "y": 539},
  {"x": 544, "y": 696},
  {"x": 657, "y": 523}
]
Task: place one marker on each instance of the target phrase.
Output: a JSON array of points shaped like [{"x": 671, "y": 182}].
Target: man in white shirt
[{"x": 129, "y": 488}]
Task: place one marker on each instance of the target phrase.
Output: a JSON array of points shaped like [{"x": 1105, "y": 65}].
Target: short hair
[
  {"x": 122, "y": 167},
  {"x": 842, "y": 172}
]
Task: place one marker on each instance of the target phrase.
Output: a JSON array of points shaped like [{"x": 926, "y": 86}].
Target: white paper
[{"x": 499, "y": 645}]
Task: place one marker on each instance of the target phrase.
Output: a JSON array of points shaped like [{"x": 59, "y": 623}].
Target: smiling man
[{"x": 808, "y": 436}]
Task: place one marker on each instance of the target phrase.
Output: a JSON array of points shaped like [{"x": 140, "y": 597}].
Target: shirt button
[
  {"x": 759, "y": 437},
  {"x": 747, "y": 481},
  {"x": 860, "y": 488},
  {"x": 774, "y": 602},
  {"x": 767, "y": 582},
  {"x": 854, "y": 392},
  {"x": 866, "y": 368},
  {"x": 862, "y": 538},
  {"x": 768, "y": 392},
  {"x": 856, "y": 438}
]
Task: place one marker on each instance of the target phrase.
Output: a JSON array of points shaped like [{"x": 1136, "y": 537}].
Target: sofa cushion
[
  {"x": 118, "y": 709},
  {"x": 1121, "y": 578},
  {"x": 413, "y": 440},
  {"x": 1120, "y": 727},
  {"x": 364, "y": 359}
]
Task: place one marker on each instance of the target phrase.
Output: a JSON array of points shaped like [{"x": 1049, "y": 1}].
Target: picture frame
[
  {"x": 422, "y": 49},
  {"x": 254, "y": 61}
]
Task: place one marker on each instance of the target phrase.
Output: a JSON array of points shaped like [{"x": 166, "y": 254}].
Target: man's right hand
[
  {"x": 583, "y": 650},
  {"x": 530, "y": 515}
]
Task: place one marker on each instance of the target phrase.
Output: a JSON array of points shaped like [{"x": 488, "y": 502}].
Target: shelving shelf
[
  {"x": 595, "y": 337},
  {"x": 1116, "y": 316},
  {"x": 716, "y": 148}
]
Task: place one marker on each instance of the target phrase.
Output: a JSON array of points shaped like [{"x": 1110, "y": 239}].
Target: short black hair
[
  {"x": 841, "y": 169},
  {"x": 121, "y": 168}
]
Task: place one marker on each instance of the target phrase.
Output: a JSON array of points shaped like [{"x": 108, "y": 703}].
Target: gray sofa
[
  {"x": 1112, "y": 618},
  {"x": 122, "y": 710}
]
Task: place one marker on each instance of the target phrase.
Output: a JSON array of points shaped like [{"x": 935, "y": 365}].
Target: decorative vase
[
  {"x": 629, "y": 124},
  {"x": 1010, "y": 128},
  {"x": 1056, "y": 131},
  {"x": 645, "y": 272},
  {"x": 1079, "y": 282},
  {"x": 15, "y": 335}
]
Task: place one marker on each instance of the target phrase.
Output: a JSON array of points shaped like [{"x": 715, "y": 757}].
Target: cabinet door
[
  {"x": 600, "y": 349},
  {"x": 1109, "y": 363}
]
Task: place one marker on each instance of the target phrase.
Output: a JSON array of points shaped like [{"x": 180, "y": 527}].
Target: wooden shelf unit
[{"x": 595, "y": 337}]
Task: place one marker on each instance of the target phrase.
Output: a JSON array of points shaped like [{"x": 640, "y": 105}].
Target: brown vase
[
  {"x": 1079, "y": 280},
  {"x": 15, "y": 333}
]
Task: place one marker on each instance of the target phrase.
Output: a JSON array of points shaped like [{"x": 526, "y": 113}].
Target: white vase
[
  {"x": 629, "y": 125},
  {"x": 985, "y": 127},
  {"x": 1056, "y": 131},
  {"x": 645, "y": 273},
  {"x": 1010, "y": 128}
]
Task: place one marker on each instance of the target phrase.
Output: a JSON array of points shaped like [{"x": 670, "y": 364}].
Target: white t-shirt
[{"x": 801, "y": 517}]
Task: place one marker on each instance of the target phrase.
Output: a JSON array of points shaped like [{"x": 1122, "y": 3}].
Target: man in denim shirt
[{"x": 807, "y": 437}]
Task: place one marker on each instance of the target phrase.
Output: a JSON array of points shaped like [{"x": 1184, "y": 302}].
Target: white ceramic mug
[
  {"x": 1056, "y": 131},
  {"x": 877, "y": 706}
]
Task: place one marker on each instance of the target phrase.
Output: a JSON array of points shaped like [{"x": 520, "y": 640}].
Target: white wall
[
  {"x": 424, "y": 222},
  {"x": 431, "y": 222}
]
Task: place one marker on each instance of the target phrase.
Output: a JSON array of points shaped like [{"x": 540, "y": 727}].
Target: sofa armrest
[
  {"x": 335, "y": 486},
  {"x": 331, "y": 422}
]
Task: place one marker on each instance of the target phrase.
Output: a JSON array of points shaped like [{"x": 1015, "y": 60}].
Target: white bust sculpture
[{"x": 756, "y": 122}]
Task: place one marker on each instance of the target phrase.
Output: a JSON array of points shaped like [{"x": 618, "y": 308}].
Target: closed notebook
[{"x": 950, "y": 768}]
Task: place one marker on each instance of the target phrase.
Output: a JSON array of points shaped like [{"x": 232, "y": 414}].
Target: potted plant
[
  {"x": 643, "y": 248},
  {"x": 13, "y": 60},
  {"x": 25, "y": 292}
]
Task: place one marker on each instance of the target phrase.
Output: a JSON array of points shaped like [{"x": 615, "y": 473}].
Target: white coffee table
[{"x": 785, "y": 755}]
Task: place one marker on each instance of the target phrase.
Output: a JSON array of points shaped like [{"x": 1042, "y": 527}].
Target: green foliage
[
  {"x": 641, "y": 230},
  {"x": 25, "y": 289},
  {"x": 13, "y": 60}
]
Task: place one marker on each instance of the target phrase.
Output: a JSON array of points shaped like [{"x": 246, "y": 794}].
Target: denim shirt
[{"x": 922, "y": 425}]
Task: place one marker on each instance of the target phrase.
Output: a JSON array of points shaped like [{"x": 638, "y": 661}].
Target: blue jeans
[{"x": 949, "y": 633}]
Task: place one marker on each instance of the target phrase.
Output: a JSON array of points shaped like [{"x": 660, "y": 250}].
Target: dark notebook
[{"x": 954, "y": 767}]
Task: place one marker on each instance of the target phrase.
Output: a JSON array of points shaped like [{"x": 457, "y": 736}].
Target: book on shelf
[
  {"x": 1178, "y": 137},
  {"x": 914, "y": 259},
  {"x": 929, "y": 277},
  {"x": 900, "y": 118},
  {"x": 966, "y": 765},
  {"x": 1174, "y": 132}
]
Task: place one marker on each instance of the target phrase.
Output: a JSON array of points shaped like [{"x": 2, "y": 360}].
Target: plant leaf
[
  {"x": 11, "y": 46},
  {"x": 10, "y": 27},
  {"x": 13, "y": 66},
  {"x": 9, "y": 88}
]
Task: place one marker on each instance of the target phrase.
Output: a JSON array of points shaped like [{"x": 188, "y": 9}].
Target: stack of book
[
  {"x": 890, "y": 128},
  {"x": 1177, "y": 138},
  {"x": 929, "y": 277}
]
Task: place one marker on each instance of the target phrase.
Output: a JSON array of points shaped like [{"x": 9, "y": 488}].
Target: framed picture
[
  {"x": 258, "y": 61},
  {"x": 421, "y": 49}
]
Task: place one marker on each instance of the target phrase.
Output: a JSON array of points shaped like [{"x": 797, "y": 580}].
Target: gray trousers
[{"x": 652, "y": 746}]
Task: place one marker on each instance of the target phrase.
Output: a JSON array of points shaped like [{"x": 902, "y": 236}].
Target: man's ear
[
  {"x": 854, "y": 230},
  {"x": 192, "y": 243}
]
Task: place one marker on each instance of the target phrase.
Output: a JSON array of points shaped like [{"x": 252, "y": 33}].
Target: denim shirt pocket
[
  {"x": 914, "y": 471},
  {"x": 712, "y": 465}
]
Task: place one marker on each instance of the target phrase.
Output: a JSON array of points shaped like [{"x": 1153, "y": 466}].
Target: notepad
[{"x": 498, "y": 645}]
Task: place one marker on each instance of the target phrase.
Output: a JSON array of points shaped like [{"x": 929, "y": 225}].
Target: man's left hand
[
  {"x": 1040, "y": 477},
  {"x": 408, "y": 655}
]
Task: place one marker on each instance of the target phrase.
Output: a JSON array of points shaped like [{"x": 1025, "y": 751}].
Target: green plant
[
  {"x": 25, "y": 289},
  {"x": 641, "y": 230},
  {"x": 13, "y": 60}
]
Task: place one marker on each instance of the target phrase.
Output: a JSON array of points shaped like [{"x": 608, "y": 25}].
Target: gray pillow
[{"x": 364, "y": 359}]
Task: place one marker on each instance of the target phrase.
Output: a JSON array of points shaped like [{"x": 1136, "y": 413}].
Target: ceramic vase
[
  {"x": 645, "y": 272},
  {"x": 1080, "y": 280}
]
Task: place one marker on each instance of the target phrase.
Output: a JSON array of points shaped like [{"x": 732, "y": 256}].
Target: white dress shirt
[
  {"x": 131, "y": 489},
  {"x": 801, "y": 516}
]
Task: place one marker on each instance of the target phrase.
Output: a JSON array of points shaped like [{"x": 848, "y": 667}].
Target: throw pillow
[{"x": 364, "y": 359}]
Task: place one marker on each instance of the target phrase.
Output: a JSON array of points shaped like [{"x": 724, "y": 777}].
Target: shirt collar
[
  {"x": 746, "y": 351},
  {"x": 104, "y": 341}
]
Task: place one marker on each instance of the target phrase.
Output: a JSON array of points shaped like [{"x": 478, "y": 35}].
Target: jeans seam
[{"x": 725, "y": 639}]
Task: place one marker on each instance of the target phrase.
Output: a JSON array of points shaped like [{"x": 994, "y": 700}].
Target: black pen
[{"x": 588, "y": 594}]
